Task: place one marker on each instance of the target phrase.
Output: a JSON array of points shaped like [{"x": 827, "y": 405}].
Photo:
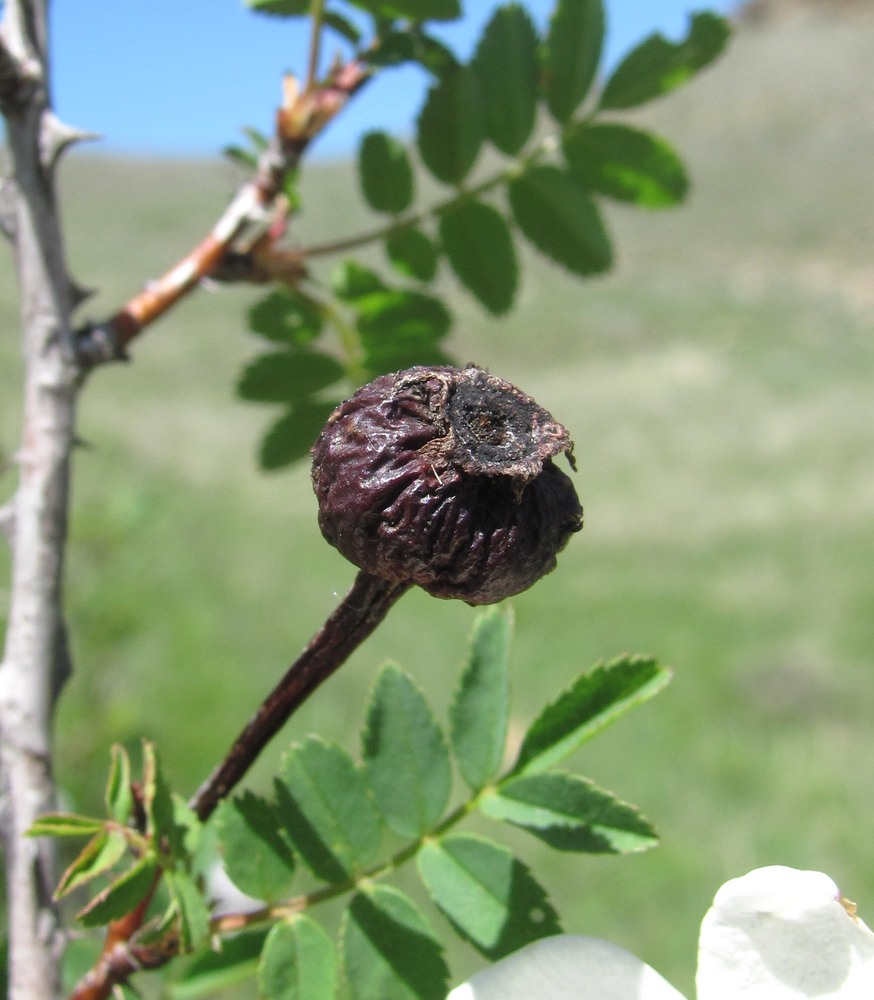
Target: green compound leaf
[
  {"x": 489, "y": 896},
  {"x": 406, "y": 759},
  {"x": 572, "y": 54},
  {"x": 326, "y": 810},
  {"x": 480, "y": 709},
  {"x": 450, "y": 126},
  {"x": 257, "y": 854},
  {"x": 506, "y": 66},
  {"x": 591, "y": 704},
  {"x": 287, "y": 376},
  {"x": 412, "y": 253},
  {"x": 560, "y": 220},
  {"x": 121, "y": 895},
  {"x": 293, "y": 434},
  {"x": 625, "y": 163},
  {"x": 102, "y": 852},
  {"x": 298, "y": 962},
  {"x": 119, "y": 796},
  {"x": 191, "y": 910},
  {"x": 389, "y": 951},
  {"x": 658, "y": 66},
  {"x": 477, "y": 241},
  {"x": 234, "y": 962},
  {"x": 286, "y": 318},
  {"x": 570, "y": 814},
  {"x": 385, "y": 173}
]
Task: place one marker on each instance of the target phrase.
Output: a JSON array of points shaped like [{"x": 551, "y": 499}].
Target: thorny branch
[{"x": 35, "y": 660}]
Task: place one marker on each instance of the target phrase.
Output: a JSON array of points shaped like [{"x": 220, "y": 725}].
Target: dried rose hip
[{"x": 443, "y": 477}]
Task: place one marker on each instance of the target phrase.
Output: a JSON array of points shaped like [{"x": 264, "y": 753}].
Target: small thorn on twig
[
  {"x": 78, "y": 293},
  {"x": 56, "y": 137}
]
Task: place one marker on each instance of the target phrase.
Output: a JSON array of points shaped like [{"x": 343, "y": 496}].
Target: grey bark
[{"x": 35, "y": 661}]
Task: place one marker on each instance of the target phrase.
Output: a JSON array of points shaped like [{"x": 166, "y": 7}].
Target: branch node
[
  {"x": 19, "y": 75},
  {"x": 97, "y": 343}
]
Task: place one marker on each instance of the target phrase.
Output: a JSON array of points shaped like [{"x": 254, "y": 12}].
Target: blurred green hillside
[{"x": 719, "y": 385}]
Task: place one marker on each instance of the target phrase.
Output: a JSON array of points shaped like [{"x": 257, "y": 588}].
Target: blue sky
[{"x": 181, "y": 77}]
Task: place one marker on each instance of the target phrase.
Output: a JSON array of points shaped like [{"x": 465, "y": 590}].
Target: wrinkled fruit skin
[{"x": 443, "y": 477}]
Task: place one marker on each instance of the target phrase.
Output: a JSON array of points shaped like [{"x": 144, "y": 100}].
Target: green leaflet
[
  {"x": 298, "y": 962},
  {"x": 342, "y": 25},
  {"x": 118, "y": 796},
  {"x": 65, "y": 825},
  {"x": 121, "y": 895},
  {"x": 326, "y": 810},
  {"x": 572, "y": 53},
  {"x": 385, "y": 173},
  {"x": 560, "y": 219},
  {"x": 507, "y": 68},
  {"x": 405, "y": 755},
  {"x": 480, "y": 709},
  {"x": 397, "y": 46},
  {"x": 162, "y": 821},
  {"x": 489, "y": 895},
  {"x": 105, "y": 849},
  {"x": 280, "y": 8},
  {"x": 415, "y": 10},
  {"x": 658, "y": 66},
  {"x": 593, "y": 702},
  {"x": 399, "y": 314},
  {"x": 400, "y": 328},
  {"x": 287, "y": 376},
  {"x": 625, "y": 163},
  {"x": 450, "y": 125},
  {"x": 192, "y": 914},
  {"x": 389, "y": 951},
  {"x": 412, "y": 253},
  {"x": 293, "y": 434},
  {"x": 287, "y": 318},
  {"x": 257, "y": 855},
  {"x": 570, "y": 813},
  {"x": 351, "y": 281},
  {"x": 235, "y": 961},
  {"x": 477, "y": 241}
]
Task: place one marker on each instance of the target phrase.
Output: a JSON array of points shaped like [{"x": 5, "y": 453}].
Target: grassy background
[{"x": 719, "y": 387}]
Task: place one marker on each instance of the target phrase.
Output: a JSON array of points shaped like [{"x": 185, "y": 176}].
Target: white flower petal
[
  {"x": 567, "y": 967},
  {"x": 783, "y": 934}
]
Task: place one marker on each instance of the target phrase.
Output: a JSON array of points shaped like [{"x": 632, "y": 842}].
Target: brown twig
[{"x": 355, "y": 618}]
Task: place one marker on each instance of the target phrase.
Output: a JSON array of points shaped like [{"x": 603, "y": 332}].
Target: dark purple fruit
[{"x": 444, "y": 477}]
